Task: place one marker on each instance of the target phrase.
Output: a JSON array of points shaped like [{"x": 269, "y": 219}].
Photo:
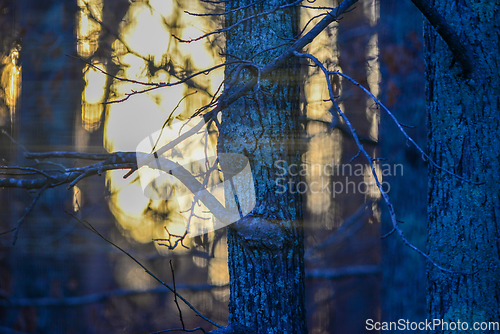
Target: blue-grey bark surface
[
  {"x": 463, "y": 120},
  {"x": 266, "y": 264}
]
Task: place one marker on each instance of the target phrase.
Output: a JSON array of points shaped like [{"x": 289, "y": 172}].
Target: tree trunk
[
  {"x": 403, "y": 270},
  {"x": 463, "y": 119},
  {"x": 41, "y": 264},
  {"x": 266, "y": 260}
]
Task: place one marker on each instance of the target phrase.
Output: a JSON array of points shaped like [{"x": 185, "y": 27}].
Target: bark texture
[
  {"x": 463, "y": 120},
  {"x": 266, "y": 263}
]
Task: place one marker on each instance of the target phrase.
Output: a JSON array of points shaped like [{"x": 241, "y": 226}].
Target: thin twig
[
  {"x": 28, "y": 210},
  {"x": 166, "y": 84},
  {"x": 114, "y": 76},
  {"x": 310, "y": 20},
  {"x": 169, "y": 118},
  {"x": 218, "y": 31},
  {"x": 175, "y": 294},
  {"x": 318, "y": 7},
  {"x": 349, "y": 226},
  {"x": 15, "y": 142},
  {"x": 223, "y": 13},
  {"x": 388, "y": 233},
  {"x": 400, "y": 127},
  {"x": 91, "y": 228}
]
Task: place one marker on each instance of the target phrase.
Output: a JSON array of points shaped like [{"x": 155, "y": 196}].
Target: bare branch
[
  {"x": 460, "y": 49},
  {"x": 339, "y": 126},
  {"x": 32, "y": 169},
  {"x": 180, "y": 238},
  {"x": 347, "y": 228},
  {"x": 370, "y": 161},
  {"x": 310, "y": 21},
  {"x": 218, "y": 31},
  {"x": 70, "y": 175},
  {"x": 425, "y": 156},
  {"x": 166, "y": 84},
  {"x": 67, "y": 155},
  {"x": 120, "y": 160}
]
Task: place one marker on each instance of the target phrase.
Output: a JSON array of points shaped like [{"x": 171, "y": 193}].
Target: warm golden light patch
[
  {"x": 133, "y": 204},
  {"x": 88, "y": 29},
  {"x": 325, "y": 146},
  {"x": 77, "y": 198},
  {"x": 155, "y": 56},
  {"x": 164, "y": 8},
  {"x": 218, "y": 273},
  {"x": 131, "y": 276},
  {"x": 146, "y": 33},
  {"x": 10, "y": 81},
  {"x": 373, "y": 79},
  {"x": 369, "y": 180},
  {"x": 93, "y": 96},
  {"x": 130, "y": 122}
]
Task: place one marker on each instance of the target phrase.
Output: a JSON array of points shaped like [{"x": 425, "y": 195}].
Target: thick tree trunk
[
  {"x": 403, "y": 270},
  {"x": 266, "y": 263},
  {"x": 41, "y": 264},
  {"x": 463, "y": 119}
]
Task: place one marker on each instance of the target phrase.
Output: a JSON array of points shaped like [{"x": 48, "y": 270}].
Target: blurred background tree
[{"x": 402, "y": 88}]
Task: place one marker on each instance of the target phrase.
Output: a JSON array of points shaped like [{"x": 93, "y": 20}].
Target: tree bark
[
  {"x": 266, "y": 258},
  {"x": 463, "y": 120}
]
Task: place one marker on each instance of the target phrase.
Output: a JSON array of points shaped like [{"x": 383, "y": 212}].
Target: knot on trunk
[{"x": 258, "y": 232}]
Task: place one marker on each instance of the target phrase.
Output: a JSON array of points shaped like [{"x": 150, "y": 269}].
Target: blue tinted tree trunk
[
  {"x": 463, "y": 119},
  {"x": 403, "y": 85},
  {"x": 266, "y": 260},
  {"x": 41, "y": 264}
]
